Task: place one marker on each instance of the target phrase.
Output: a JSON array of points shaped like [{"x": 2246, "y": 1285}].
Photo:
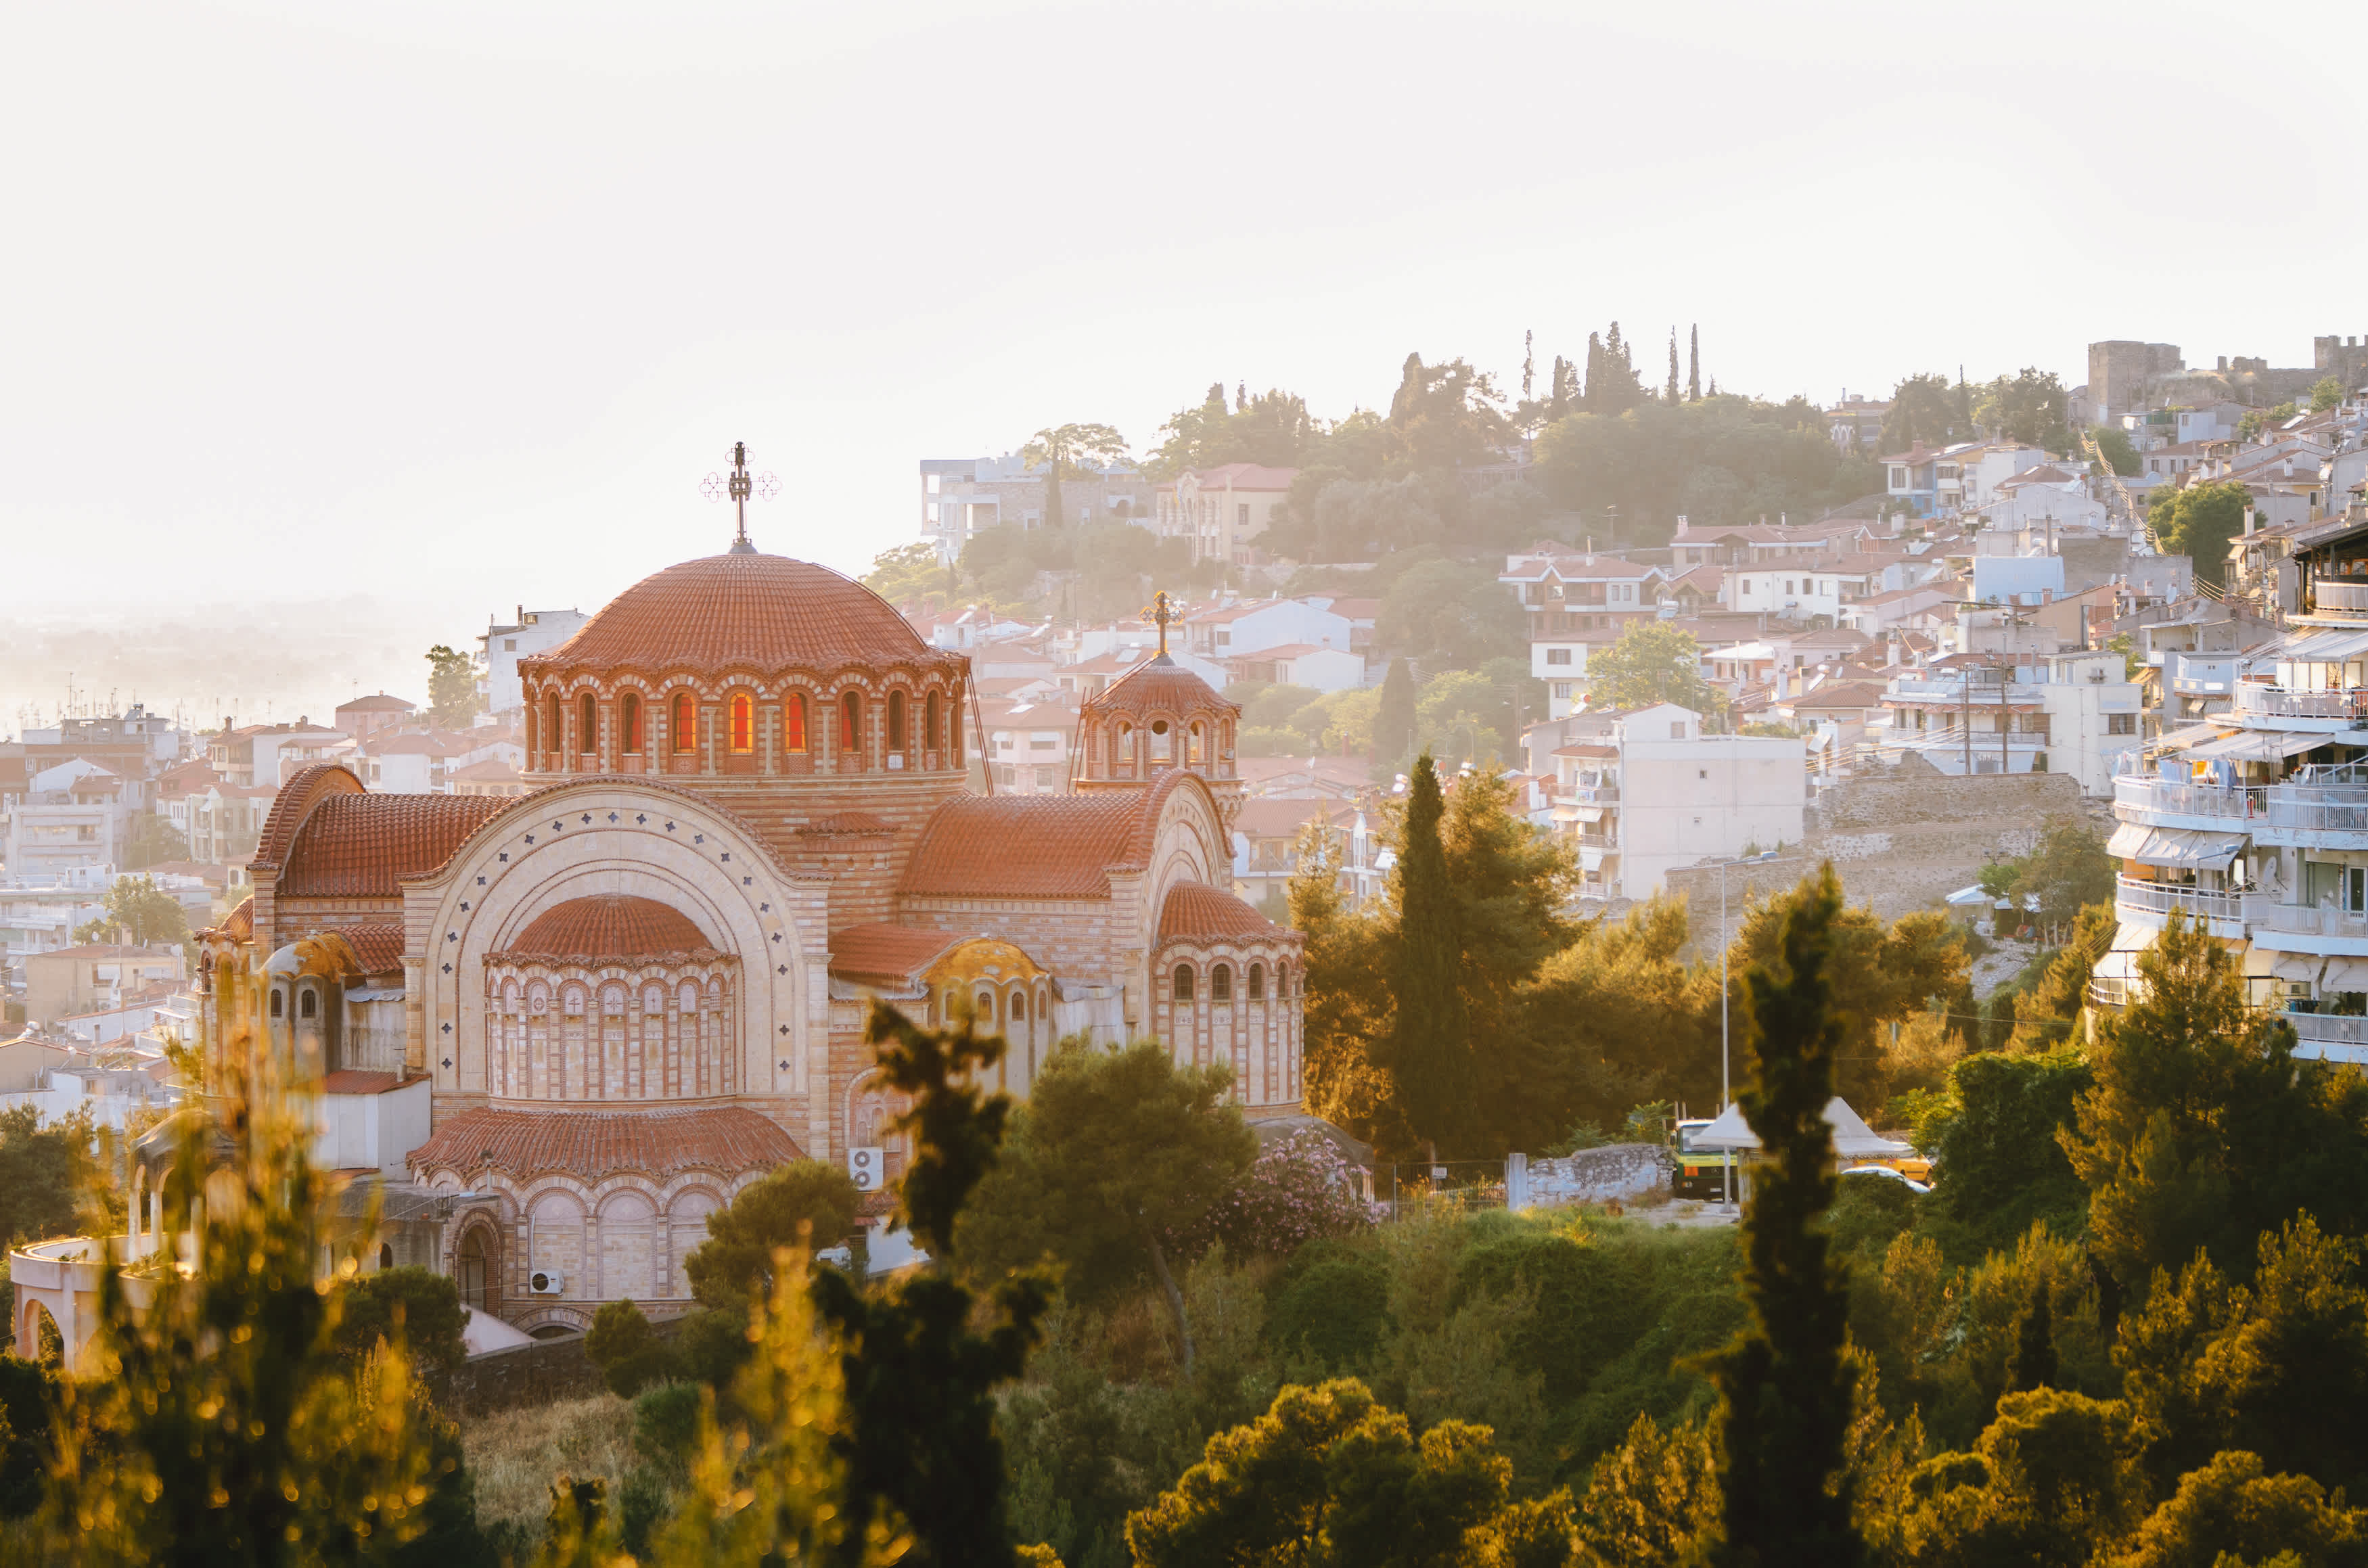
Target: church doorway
[{"x": 476, "y": 1276}]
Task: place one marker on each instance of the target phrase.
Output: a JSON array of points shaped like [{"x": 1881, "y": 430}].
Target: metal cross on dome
[
  {"x": 1161, "y": 612},
  {"x": 740, "y": 486}
]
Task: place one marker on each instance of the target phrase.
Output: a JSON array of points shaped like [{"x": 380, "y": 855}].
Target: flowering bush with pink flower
[{"x": 1298, "y": 1191}]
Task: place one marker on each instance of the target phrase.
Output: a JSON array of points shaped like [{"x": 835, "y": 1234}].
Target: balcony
[
  {"x": 2144, "y": 800},
  {"x": 2222, "y": 913},
  {"x": 1592, "y": 794},
  {"x": 2304, "y": 809},
  {"x": 2272, "y": 707},
  {"x": 2324, "y": 929},
  {"x": 2327, "y": 595},
  {"x": 2330, "y": 1029}
]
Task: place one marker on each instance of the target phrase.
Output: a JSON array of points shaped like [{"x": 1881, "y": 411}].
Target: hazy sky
[{"x": 457, "y": 303}]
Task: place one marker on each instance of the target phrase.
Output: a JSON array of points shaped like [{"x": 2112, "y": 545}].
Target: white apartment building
[
  {"x": 2254, "y": 822},
  {"x": 1969, "y": 714},
  {"x": 1656, "y": 793},
  {"x": 1257, "y": 625},
  {"x": 1028, "y": 743},
  {"x": 501, "y": 647},
  {"x": 1575, "y": 600}
]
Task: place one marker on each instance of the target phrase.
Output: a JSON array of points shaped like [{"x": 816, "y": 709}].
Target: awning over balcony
[
  {"x": 2326, "y": 975},
  {"x": 2257, "y": 746},
  {"x": 2175, "y": 848}
]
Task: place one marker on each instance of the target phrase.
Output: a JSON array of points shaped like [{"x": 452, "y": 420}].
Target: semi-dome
[
  {"x": 609, "y": 929},
  {"x": 763, "y": 612}
]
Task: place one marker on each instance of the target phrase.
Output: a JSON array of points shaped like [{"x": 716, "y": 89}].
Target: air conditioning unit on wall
[{"x": 546, "y": 1282}]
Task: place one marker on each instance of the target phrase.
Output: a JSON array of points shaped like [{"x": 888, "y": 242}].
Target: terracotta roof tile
[
  {"x": 1157, "y": 685},
  {"x": 887, "y": 952},
  {"x": 608, "y": 927},
  {"x": 591, "y": 1145},
  {"x": 762, "y": 612},
  {"x": 845, "y": 824},
  {"x": 1196, "y": 909},
  {"x": 239, "y": 924},
  {"x": 1024, "y": 846},
  {"x": 377, "y": 945},
  {"x": 359, "y": 845}
]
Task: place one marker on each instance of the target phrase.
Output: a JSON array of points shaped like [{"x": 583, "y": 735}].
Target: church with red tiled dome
[{"x": 626, "y": 995}]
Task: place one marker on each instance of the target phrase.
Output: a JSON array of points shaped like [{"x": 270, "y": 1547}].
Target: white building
[
  {"x": 1656, "y": 793},
  {"x": 1573, "y": 601},
  {"x": 2077, "y": 712},
  {"x": 501, "y": 647},
  {"x": 1259, "y": 624},
  {"x": 2254, "y": 822},
  {"x": 1301, "y": 663}
]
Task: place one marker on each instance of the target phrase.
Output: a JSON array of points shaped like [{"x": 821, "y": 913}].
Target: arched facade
[{"x": 631, "y": 993}]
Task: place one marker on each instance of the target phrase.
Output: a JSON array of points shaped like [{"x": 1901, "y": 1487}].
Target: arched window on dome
[
  {"x": 1221, "y": 983},
  {"x": 1257, "y": 983},
  {"x": 533, "y": 736},
  {"x": 587, "y": 725},
  {"x": 1162, "y": 741},
  {"x": 1183, "y": 983},
  {"x": 1123, "y": 751},
  {"x": 933, "y": 715},
  {"x": 630, "y": 713},
  {"x": 896, "y": 736},
  {"x": 1019, "y": 1007},
  {"x": 794, "y": 722},
  {"x": 554, "y": 743},
  {"x": 743, "y": 724},
  {"x": 685, "y": 728},
  {"x": 1197, "y": 751},
  {"x": 850, "y": 726}
]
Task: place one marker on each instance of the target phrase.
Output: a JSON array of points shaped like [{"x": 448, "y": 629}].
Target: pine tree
[
  {"x": 2035, "y": 1343},
  {"x": 1693, "y": 364},
  {"x": 920, "y": 1382},
  {"x": 1671, "y": 393},
  {"x": 1784, "y": 1388},
  {"x": 1393, "y": 725},
  {"x": 1429, "y": 1054}
]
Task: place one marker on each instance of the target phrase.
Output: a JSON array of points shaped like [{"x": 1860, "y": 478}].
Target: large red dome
[{"x": 766, "y": 613}]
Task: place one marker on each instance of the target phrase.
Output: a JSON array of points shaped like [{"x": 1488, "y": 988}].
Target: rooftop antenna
[
  {"x": 1160, "y": 611},
  {"x": 740, "y": 486}
]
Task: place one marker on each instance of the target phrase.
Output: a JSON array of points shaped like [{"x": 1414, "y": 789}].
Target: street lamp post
[{"x": 1726, "y": 1077}]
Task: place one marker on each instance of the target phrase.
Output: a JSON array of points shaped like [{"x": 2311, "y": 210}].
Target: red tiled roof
[
  {"x": 1024, "y": 846},
  {"x": 239, "y": 924},
  {"x": 591, "y": 1145},
  {"x": 377, "y": 945},
  {"x": 1282, "y": 816},
  {"x": 1196, "y": 909},
  {"x": 609, "y": 926},
  {"x": 355, "y": 1081},
  {"x": 761, "y": 612},
  {"x": 1157, "y": 685},
  {"x": 883, "y": 952},
  {"x": 358, "y": 846},
  {"x": 379, "y": 703},
  {"x": 109, "y": 952}
]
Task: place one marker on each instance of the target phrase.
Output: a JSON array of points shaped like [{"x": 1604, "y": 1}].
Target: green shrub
[
  {"x": 421, "y": 1305},
  {"x": 665, "y": 1421},
  {"x": 1335, "y": 1309},
  {"x": 627, "y": 1350}
]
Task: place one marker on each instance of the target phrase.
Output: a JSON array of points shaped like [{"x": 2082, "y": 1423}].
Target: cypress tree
[
  {"x": 1671, "y": 394},
  {"x": 1693, "y": 363},
  {"x": 1784, "y": 1388},
  {"x": 1393, "y": 725},
  {"x": 2035, "y": 1344},
  {"x": 1592, "y": 396},
  {"x": 1529, "y": 364},
  {"x": 1434, "y": 1082}
]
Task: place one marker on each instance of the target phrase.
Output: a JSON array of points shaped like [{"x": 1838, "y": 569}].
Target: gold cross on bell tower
[{"x": 1161, "y": 612}]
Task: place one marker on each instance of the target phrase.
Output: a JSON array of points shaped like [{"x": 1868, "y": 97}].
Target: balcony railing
[
  {"x": 2142, "y": 794},
  {"x": 2310, "y": 920},
  {"x": 2162, "y": 898},
  {"x": 1592, "y": 794},
  {"x": 2328, "y": 594},
  {"x": 2328, "y": 1028},
  {"x": 2276, "y": 702},
  {"x": 2319, "y": 808}
]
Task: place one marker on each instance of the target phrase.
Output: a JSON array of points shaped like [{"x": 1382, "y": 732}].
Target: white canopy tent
[{"x": 1854, "y": 1139}]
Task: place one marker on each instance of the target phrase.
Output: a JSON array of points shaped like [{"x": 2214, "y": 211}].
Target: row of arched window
[
  {"x": 1119, "y": 747},
  {"x": 1185, "y": 982},
  {"x": 931, "y": 721},
  {"x": 597, "y": 1044}
]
